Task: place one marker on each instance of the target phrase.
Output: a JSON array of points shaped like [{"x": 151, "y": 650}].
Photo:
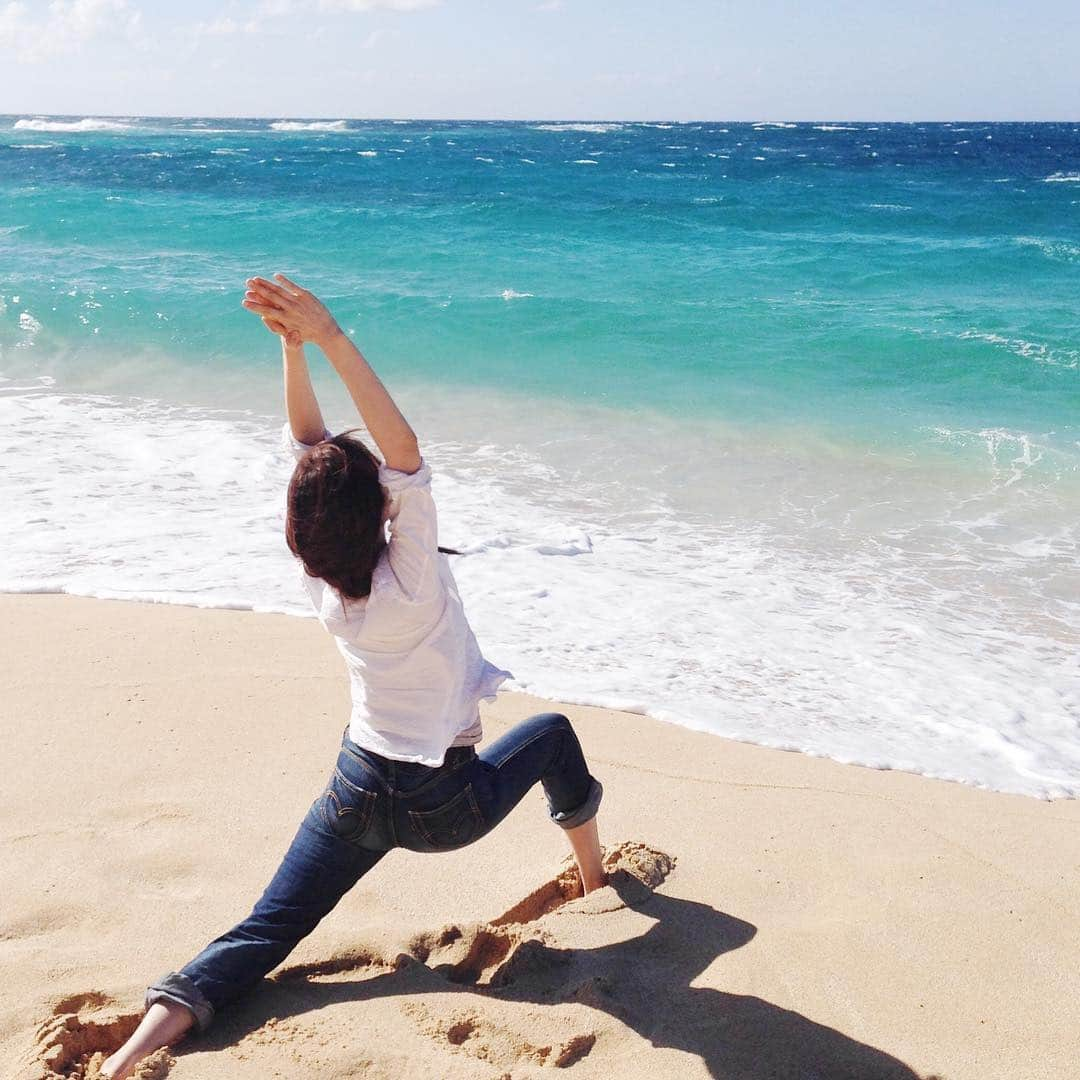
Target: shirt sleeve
[
  {"x": 294, "y": 446},
  {"x": 413, "y": 548}
]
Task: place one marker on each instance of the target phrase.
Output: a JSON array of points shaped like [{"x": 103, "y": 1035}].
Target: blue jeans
[{"x": 370, "y": 805}]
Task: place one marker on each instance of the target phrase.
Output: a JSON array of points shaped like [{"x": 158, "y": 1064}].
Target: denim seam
[
  {"x": 354, "y": 787},
  {"x": 367, "y": 765},
  {"x": 427, "y": 785},
  {"x": 586, "y": 811},
  {"x": 417, "y": 816},
  {"x": 363, "y": 815},
  {"x": 182, "y": 990}
]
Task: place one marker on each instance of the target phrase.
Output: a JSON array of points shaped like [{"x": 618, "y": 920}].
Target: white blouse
[{"x": 415, "y": 669}]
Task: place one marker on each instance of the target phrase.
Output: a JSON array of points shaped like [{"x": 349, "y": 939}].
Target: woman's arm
[
  {"x": 301, "y": 405},
  {"x": 388, "y": 427},
  {"x": 308, "y": 318}
]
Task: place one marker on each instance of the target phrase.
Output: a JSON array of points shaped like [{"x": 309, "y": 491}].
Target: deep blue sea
[{"x": 770, "y": 429}]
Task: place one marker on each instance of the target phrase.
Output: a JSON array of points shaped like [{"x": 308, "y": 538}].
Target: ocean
[{"x": 770, "y": 430}]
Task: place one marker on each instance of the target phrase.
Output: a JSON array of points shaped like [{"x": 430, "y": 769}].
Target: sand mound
[
  {"x": 499, "y": 951},
  {"x": 79, "y": 1034},
  {"x": 511, "y": 958}
]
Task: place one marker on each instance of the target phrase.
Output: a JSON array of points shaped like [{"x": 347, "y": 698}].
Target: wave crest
[
  {"x": 88, "y": 123},
  {"x": 594, "y": 129},
  {"x": 310, "y": 125}
]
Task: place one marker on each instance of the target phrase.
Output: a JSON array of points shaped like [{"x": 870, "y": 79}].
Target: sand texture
[{"x": 772, "y": 916}]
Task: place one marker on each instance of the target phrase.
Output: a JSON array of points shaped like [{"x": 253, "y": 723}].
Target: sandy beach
[{"x": 772, "y": 915}]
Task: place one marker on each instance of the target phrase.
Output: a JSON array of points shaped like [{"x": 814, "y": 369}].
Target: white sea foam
[
  {"x": 510, "y": 294},
  {"x": 28, "y": 323},
  {"x": 586, "y": 161},
  {"x": 35, "y": 146},
  {"x": 310, "y": 125},
  {"x": 86, "y": 124},
  {"x": 774, "y": 124},
  {"x": 896, "y": 616},
  {"x": 199, "y": 129},
  {"x": 229, "y": 151},
  {"x": 1062, "y": 178},
  {"x": 1029, "y": 350},
  {"x": 1058, "y": 250},
  {"x": 834, "y": 127},
  {"x": 594, "y": 129},
  {"x": 367, "y": 153},
  {"x": 486, "y": 160}
]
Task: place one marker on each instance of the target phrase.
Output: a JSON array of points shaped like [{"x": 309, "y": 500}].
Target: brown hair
[{"x": 334, "y": 516}]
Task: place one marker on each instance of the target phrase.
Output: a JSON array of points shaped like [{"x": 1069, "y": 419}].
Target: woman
[{"x": 407, "y": 773}]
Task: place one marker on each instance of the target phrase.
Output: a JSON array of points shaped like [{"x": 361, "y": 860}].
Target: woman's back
[{"x": 416, "y": 671}]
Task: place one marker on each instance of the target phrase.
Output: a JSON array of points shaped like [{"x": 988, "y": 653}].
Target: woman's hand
[
  {"x": 290, "y": 337},
  {"x": 298, "y": 312}
]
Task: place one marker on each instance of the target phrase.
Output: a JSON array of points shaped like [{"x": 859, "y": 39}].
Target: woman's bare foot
[{"x": 164, "y": 1023}]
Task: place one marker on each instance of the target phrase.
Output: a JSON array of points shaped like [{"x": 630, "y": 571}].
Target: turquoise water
[
  {"x": 833, "y": 367},
  {"x": 878, "y": 280}
]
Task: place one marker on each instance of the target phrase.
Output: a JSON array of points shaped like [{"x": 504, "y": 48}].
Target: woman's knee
[
  {"x": 550, "y": 721},
  {"x": 555, "y": 719}
]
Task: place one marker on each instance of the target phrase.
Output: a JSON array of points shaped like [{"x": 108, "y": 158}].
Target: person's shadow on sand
[{"x": 644, "y": 982}]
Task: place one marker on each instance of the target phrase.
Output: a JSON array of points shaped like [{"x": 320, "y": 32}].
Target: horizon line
[{"x": 506, "y": 120}]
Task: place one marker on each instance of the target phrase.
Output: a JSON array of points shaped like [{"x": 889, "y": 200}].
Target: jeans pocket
[
  {"x": 347, "y": 808},
  {"x": 454, "y": 824}
]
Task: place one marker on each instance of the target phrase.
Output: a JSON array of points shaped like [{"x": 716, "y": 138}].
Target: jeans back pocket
[
  {"x": 347, "y": 808},
  {"x": 454, "y": 824}
]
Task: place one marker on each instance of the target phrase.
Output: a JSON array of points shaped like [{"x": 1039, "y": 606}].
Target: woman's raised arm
[
  {"x": 301, "y": 312},
  {"x": 301, "y": 405}
]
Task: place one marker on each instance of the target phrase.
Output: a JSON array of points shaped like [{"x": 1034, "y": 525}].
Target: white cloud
[
  {"x": 381, "y": 34},
  {"x": 377, "y": 5},
  {"x": 226, "y": 25},
  {"x": 261, "y": 18},
  {"x": 275, "y": 7},
  {"x": 64, "y": 27},
  {"x": 12, "y": 20}
]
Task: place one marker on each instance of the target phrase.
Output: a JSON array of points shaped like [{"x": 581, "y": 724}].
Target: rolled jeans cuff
[
  {"x": 179, "y": 989},
  {"x": 571, "y": 819}
]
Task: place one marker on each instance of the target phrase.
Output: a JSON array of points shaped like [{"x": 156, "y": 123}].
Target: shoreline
[
  {"x": 871, "y": 922},
  {"x": 655, "y": 713}
]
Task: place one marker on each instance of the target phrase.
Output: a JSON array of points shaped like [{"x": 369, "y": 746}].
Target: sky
[{"x": 544, "y": 59}]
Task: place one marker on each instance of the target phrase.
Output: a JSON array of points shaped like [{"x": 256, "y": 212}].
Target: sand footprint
[
  {"x": 80, "y": 1033},
  {"x": 490, "y": 954},
  {"x": 498, "y": 1044},
  {"x": 512, "y": 948}
]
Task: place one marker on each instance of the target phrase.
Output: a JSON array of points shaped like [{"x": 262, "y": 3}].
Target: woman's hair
[{"x": 334, "y": 516}]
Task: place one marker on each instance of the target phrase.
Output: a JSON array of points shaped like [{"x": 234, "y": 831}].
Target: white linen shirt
[{"x": 415, "y": 669}]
